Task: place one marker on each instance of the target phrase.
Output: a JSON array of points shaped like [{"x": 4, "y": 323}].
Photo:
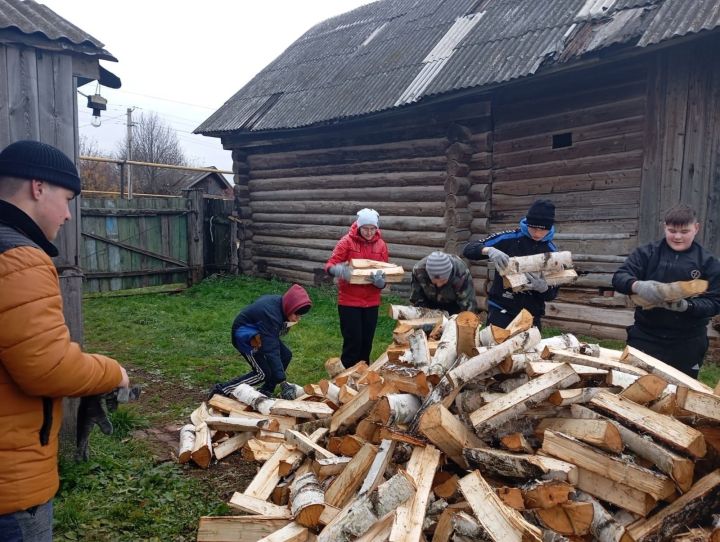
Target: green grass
[{"x": 179, "y": 345}]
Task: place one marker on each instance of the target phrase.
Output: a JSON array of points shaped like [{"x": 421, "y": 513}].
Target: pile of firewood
[{"x": 460, "y": 432}]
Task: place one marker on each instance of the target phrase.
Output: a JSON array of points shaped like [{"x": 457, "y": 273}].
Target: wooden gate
[{"x": 134, "y": 243}]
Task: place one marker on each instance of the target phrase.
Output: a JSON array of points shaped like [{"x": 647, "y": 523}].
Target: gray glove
[
  {"x": 340, "y": 271},
  {"x": 499, "y": 258},
  {"x": 287, "y": 391},
  {"x": 650, "y": 291},
  {"x": 677, "y": 306},
  {"x": 537, "y": 283},
  {"x": 378, "y": 279}
]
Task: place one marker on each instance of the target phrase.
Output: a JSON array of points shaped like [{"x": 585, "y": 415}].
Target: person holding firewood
[
  {"x": 442, "y": 281},
  {"x": 256, "y": 333},
  {"x": 673, "y": 332},
  {"x": 358, "y": 303},
  {"x": 533, "y": 236}
]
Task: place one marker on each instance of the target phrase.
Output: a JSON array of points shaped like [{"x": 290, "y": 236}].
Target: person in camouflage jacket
[{"x": 443, "y": 281}]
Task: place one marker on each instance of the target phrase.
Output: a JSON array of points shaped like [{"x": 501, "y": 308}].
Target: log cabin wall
[
  {"x": 299, "y": 198},
  {"x": 576, "y": 139}
]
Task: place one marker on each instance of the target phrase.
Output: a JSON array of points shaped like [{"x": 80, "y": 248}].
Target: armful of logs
[
  {"x": 675, "y": 291},
  {"x": 555, "y": 267}
]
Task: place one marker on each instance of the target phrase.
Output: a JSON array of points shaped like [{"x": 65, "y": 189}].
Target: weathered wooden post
[{"x": 195, "y": 235}]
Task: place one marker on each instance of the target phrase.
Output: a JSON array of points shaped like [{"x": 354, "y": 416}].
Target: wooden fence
[{"x": 151, "y": 241}]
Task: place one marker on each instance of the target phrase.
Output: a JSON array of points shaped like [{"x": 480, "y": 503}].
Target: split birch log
[
  {"x": 546, "y": 493},
  {"x": 516, "y": 442},
  {"x": 512, "y": 405},
  {"x": 571, "y": 518},
  {"x": 200, "y": 414},
  {"x": 233, "y": 444},
  {"x": 467, "y": 323},
  {"x": 565, "y": 356},
  {"x": 334, "y": 367},
  {"x": 447, "y": 349},
  {"x": 307, "y": 500},
  {"x": 401, "y": 334},
  {"x": 447, "y": 432},
  {"x": 292, "y": 532},
  {"x": 548, "y": 261},
  {"x": 463, "y": 373},
  {"x": 645, "y": 389},
  {"x": 639, "y": 359},
  {"x": 368, "y": 509},
  {"x": 253, "y": 505},
  {"x": 520, "y": 282},
  {"x": 202, "y": 451},
  {"x": 664, "y": 428},
  {"x": 498, "y": 521},
  {"x": 491, "y": 335},
  {"x": 330, "y": 391},
  {"x": 466, "y": 525},
  {"x": 520, "y": 466},
  {"x": 517, "y": 362},
  {"x": 679, "y": 468},
  {"x": 566, "y": 341},
  {"x": 566, "y": 448},
  {"x": 406, "y": 312},
  {"x": 241, "y": 423},
  {"x": 187, "y": 443},
  {"x": 253, "y": 398},
  {"x": 616, "y": 493},
  {"x": 603, "y": 527},
  {"x": 577, "y": 395},
  {"x": 361, "y": 269},
  {"x": 674, "y": 291},
  {"x": 602, "y": 434},
  {"x": 397, "y": 408},
  {"x": 704, "y": 405},
  {"x": 347, "y": 483},
  {"x": 419, "y": 353},
  {"x": 375, "y": 474},
  {"x": 703, "y": 498},
  {"x": 409, "y": 515},
  {"x": 306, "y": 445}
]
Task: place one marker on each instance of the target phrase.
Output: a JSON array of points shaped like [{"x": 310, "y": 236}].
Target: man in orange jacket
[{"x": 39, "y": 364}]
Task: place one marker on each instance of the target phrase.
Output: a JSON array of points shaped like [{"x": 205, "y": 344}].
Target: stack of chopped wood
[{"x": 476, "y": 435}]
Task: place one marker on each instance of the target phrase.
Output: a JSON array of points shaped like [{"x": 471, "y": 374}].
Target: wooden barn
[
  {"x": 211, "y": 183},
  {"x": 451, "y": 117},
  {"x": 43, "y": 60}
]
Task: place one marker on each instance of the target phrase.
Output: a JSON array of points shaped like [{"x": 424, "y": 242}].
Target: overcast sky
[{"x": 184, "y": 58}]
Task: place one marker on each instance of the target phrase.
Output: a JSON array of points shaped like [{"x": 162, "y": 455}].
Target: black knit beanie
[
  {"x": 39, "y": 161},
  {"x": 541, "y": 214}
]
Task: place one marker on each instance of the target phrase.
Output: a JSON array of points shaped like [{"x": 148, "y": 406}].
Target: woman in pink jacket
[{"x": 358, "y": 303}]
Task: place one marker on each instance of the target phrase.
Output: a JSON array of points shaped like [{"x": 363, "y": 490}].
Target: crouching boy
[{"x": 256, "y": 333}]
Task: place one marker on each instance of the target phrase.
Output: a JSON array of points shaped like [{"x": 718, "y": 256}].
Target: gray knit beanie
[
  {"x": 40, "y": 161},
  {"x": 438, "y": 265}
]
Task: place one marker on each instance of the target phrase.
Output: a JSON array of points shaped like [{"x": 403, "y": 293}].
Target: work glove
[
  {"x": 537, "y": 283},
  {"x": 378, "y": 279},
  {"x": 650, "y": 291},
  {"x": 676, "y": 306},
  {"x": 90, "y": 413},
  {"x": 93, "y": 411},
  {"x": 288, "y": 391},
  {"x": 340, "y": 271},
  {"x": 499, "y": 258}
]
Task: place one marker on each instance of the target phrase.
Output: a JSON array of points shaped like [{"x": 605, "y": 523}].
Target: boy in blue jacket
[
  {"x": 256, "y": 333},
  {"x": 534, "y": 236},
  {"x": 675, "y": 333}
]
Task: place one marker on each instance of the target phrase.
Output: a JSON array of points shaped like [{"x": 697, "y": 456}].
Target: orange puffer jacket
[{"x": 39, "y": 364}]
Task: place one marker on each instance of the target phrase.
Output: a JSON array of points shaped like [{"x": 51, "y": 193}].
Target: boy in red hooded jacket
[{"x": 358, "y": 303}]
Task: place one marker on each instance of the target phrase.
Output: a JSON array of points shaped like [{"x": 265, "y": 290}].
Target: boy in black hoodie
[
  {"x": 675, "y": 333},
  {"x": 256, "y": 333}
]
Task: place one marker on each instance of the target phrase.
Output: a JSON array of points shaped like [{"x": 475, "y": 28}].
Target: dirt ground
[{"x": 222, "y": 478}]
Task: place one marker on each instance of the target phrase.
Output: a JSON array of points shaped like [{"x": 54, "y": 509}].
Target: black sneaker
[{"x": 216, "y": 389}]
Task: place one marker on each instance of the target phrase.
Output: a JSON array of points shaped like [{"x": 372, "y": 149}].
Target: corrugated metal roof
[
  {"x": 394, "y": 52},
  {"x": 34, "y": 19}
]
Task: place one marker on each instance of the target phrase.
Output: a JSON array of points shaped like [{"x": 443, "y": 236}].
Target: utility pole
[{"x": 128, "y": 168}]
